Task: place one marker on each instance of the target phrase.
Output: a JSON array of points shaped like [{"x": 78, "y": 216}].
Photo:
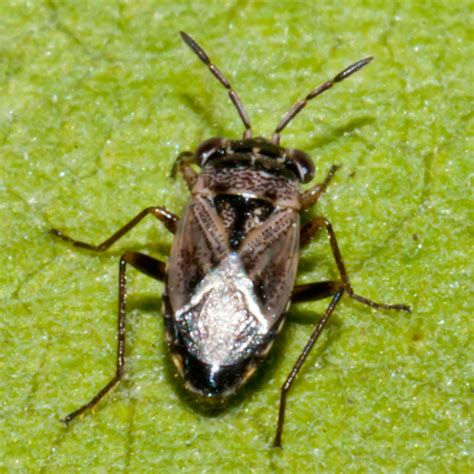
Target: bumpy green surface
[{"x": 96, "y": 101}]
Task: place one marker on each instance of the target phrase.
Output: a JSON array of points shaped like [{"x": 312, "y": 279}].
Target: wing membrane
[
  {"x": 270, "y": 256},
  {"x": 201, "y": 242}
]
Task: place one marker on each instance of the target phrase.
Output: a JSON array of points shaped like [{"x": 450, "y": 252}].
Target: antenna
[
  {"x": 296, "y": 109},
  {"x": 234, "y": 97}
]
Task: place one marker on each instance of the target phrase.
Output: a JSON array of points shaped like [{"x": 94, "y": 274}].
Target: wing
[
  {"x": 230, "y": 275},
  {"x": 269, "y": 254},
  {"x": 199, "y": 245}
]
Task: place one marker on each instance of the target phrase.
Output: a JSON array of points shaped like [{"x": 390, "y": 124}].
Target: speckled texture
[{"x": 97, "y": 100}]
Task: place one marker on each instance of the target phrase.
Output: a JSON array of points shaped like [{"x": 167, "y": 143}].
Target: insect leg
[
  {"x": 304, "y": 354},
  {"x": 149, "y": 266},
  {"x": 311, "y": 292},
  {"x": 182, "y": 164},
  {"x": 312, "y": 195},
  {"x": 315, "y": 291},
  {"x": 169, "y": 219},
  {"x": 309, "y": 229}
]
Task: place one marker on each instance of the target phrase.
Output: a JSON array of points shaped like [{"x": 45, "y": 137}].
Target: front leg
[
  {"x": 183, "y": 165},
  {"x": 169, "y": 219},
  {"x": 311, "y": 196}
]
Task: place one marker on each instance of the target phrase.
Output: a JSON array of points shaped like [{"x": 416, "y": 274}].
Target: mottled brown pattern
[
  {"x": 270, "y": 255},
  {"x": 248, "y": 181},
  {"x": 268, "y": 248},
  {"x": 257, "y": 215},
  {"x": 240, "y": 215},
  {"x": 201, "y": 245},
  {"x": 227, "y": 212}
]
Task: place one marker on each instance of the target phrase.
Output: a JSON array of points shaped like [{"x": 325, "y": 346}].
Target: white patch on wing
[{"x": 223, "y": 323}]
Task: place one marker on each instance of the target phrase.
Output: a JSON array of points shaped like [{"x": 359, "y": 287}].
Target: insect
[{"x": 230, "y": 276}]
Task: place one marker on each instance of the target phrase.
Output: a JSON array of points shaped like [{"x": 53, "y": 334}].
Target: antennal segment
[
  {"x": 234, "y": 97},
  {"x": 296, "y": 109}
]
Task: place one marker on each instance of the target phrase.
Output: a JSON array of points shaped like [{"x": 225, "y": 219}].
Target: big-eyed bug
[{"x": 230, "y": 277}]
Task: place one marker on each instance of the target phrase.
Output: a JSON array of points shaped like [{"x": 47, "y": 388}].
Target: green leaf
[{"x": 98, "y": 98}]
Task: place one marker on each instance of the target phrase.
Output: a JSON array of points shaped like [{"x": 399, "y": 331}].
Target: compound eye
[
  {"x": 303, "y": 164},
  {"x": 207, "y": 148}
]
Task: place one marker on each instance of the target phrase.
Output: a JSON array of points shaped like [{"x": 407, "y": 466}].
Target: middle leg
[{"x": 309, "y": 230}]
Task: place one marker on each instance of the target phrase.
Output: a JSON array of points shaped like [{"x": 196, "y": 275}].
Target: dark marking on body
[
  {"x": 231, "y": 273},
  {"x": 240, "y": 215}
]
